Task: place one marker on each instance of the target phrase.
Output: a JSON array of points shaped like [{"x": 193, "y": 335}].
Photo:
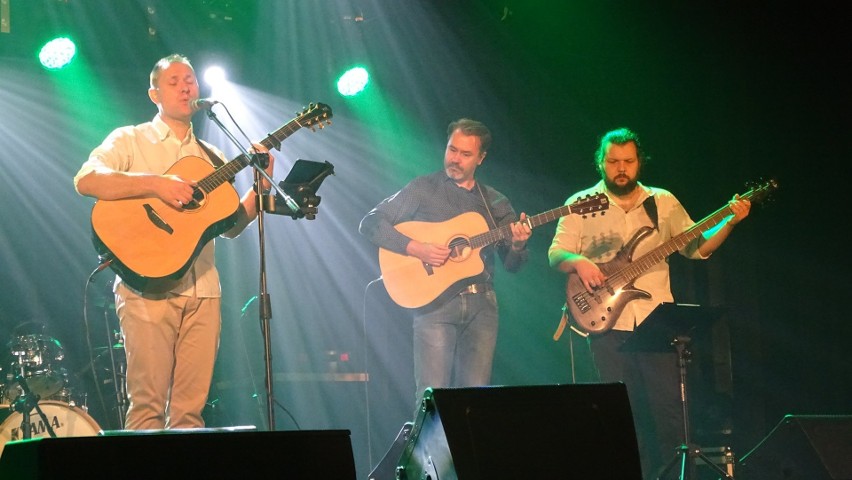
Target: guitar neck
[
  {"x": 505, "y": 232},
  {"x": 318, "y": 114},
  {"x": 657, "y": 255},
  {"x": 228, "y": 171}
]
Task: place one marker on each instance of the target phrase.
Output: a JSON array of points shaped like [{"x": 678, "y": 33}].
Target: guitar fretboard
[
  {"x": 316, "y": 115},
  {"x": 584, "y": 206},
  {"x": 631, "y": 272},
  {"x": 228, "y": 171}
]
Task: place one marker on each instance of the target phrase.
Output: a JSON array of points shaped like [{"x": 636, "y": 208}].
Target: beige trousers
[{"x": 171, "y": 343}]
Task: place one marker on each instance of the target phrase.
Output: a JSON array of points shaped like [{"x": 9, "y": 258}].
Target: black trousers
[{"x": 653, "y": 387}]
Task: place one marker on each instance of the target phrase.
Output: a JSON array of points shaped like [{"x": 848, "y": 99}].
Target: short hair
[
  {"x": 472, "y": 127},
  {"x": 164, "y": 63},
  {"x": 619, "y": 136}
]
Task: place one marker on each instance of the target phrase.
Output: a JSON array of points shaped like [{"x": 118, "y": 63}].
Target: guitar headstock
[
  {"x": 315, "y": 115},
  {"x": 590, "y": 204},
  {"x": 760, "y": 191}
]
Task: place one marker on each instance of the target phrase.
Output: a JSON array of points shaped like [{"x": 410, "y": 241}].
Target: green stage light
[
  {"x": 353, "y": 81},
  {"x": 57, "y": 53}
]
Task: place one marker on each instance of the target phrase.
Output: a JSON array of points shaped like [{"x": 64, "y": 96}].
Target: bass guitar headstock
[{"x": 760, "y": 191}]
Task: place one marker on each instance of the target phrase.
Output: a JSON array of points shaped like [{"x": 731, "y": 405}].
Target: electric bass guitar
[
  {"x": 596, "y": 312},
  {"x": 411, "y": 283},
  {"x": 149, "y": 243}
]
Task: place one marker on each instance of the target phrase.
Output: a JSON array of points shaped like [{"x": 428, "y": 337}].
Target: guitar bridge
[
  {"x": 157, "y": 220},
  {"x": 581, "y": 302}
]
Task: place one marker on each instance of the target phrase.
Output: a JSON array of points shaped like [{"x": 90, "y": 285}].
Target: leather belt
[{"x": 476, "y": 288}]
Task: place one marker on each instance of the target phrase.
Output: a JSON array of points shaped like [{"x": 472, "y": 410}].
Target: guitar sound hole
[
  {"x": 197, "y": 201},
  {"x": 459, "y": 249}
]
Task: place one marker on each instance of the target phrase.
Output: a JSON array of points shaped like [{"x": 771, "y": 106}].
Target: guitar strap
[
  {"x": 651, "y": 209},
  {"x": 487, "y": 206},
  {"x": 217, "y": 162}
]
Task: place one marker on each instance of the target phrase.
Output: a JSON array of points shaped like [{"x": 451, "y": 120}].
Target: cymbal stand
[
  {"x": 687, "y": 452},
  {"x": 25, "y": 403}
]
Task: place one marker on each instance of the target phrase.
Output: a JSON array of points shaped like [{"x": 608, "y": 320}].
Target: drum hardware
[
  {"x": 38, "y": 396},
  {"x": 25, "y": 403},
  {"x": 119, "y": 377},
  {"x": 108, "y": 368}
]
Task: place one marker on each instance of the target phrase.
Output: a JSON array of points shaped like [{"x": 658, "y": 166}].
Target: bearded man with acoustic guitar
[{"x": 640, "y": 219}]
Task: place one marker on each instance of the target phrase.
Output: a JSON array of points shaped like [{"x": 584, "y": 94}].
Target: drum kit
[{"x": 36, "y": 396}]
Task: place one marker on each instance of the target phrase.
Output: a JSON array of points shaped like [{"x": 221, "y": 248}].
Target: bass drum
[{"x": 66, "y": 421}]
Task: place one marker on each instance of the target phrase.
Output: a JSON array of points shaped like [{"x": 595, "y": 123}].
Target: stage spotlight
[
  {"x": 353, "y": 81},
  {"x": 57, "y": 53},
  {"x": 215, "y": 76}
]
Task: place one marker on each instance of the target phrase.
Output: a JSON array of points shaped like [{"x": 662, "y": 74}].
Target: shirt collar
[{"x": 164, "y": 132}]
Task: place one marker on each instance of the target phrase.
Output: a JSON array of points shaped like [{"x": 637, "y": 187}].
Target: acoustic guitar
[
  {"x": 411, "y": 283},
  {"x": 148, "y": 242}
]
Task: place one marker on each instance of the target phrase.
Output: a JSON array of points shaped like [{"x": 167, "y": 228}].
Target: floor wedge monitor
[
  {"x": 291, "y": 455},
  {"x": 541, "y": 431},
  {"x": 812, "y": 447}
]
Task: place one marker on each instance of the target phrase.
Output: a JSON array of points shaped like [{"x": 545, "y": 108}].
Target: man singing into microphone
[{"x": 170, "y": 331}]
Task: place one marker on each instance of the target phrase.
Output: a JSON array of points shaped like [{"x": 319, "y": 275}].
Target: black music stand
[
  {"x": 301, "y": 185},
  {"x": 673, "y": 325}
]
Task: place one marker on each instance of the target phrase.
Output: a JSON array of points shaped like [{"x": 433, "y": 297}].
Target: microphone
[{"x": 203, "y": 104}]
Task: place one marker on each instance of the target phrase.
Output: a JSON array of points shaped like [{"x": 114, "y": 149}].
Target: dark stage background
[{"x": 722, "y": 93}]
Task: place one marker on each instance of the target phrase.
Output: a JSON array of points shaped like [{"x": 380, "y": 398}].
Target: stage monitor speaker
[
  {"x": 286, "y": 455},
  {"x": 545, "y": 431},
  {"x": 802, "y": 447}
]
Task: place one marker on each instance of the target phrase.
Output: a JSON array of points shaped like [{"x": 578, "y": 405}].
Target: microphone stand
[
  {"x": 265, "y": 308},
  {"x": 264, "y": 305}
]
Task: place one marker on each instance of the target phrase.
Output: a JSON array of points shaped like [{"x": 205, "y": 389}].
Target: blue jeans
[{"x": 454, "y": 343}]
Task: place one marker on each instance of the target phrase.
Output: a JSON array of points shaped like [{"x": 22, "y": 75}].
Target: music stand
[
  {"x": 673, "y": 325},
  {"x": 301, "y": 185}
]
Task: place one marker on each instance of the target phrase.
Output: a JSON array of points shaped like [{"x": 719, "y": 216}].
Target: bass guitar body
[{"x": 596, "y": 311}]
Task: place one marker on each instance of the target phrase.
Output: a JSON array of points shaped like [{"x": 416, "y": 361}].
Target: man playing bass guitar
[{"x": 640, "y": 218}]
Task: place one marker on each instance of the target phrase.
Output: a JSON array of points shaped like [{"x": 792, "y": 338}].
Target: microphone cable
[
  {"x": 105, "y": 261},
  {"x": 367, "y": 373}
]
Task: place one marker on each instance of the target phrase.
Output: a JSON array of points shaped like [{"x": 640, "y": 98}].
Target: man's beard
[{"x": 620, "y": 190}]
